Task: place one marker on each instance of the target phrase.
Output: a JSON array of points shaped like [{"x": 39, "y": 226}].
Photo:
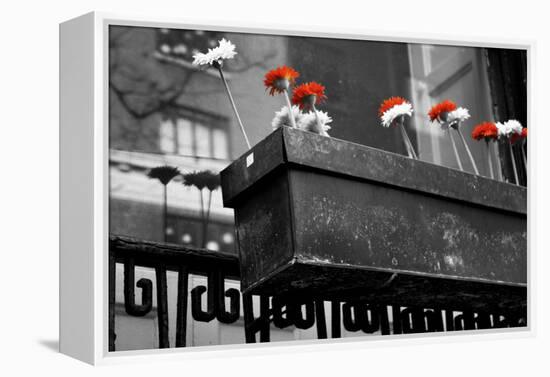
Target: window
[
  {"x": 202, "y": 140},
  {"x": 220, "y": 141},
  {"x": 186, "y": 137},
  {"x": 167, "y": 137},
  {"x": 449, "y": 72}
]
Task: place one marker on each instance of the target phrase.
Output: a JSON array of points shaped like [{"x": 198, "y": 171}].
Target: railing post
[
  {"x": 129, "y": 291},
  {"x": 162, "y": 306},
  {"x": 320, "y": 319},
  {"x": 335, "y": 329},
  {"x": 253, "y": 325},
  {"x": 181, "y": 320}
]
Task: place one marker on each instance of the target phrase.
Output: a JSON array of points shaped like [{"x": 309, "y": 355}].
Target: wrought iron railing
[{"x": 281, "y": 312}]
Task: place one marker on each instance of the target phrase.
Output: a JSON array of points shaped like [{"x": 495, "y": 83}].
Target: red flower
[
  {"x": 515, "y": 137},
  {"x": 279, "y": 79},
  {"x": 308, "y": 94},
  {"x": 487, "y": 130},
  {"x": 389, "y": 103},
  {"x": 441, "y": 108}
]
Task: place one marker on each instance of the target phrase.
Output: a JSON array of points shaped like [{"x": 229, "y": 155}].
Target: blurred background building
[{"x": 163, "y": 110}]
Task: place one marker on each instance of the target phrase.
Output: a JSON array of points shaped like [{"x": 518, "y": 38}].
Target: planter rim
[{"x": 302, "y": 149}]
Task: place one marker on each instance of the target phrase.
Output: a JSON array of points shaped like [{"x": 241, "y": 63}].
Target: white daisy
[
  {"x": 282, "y": 118},
  {"x": 225, "y": 50},
  {"x": 458, "y": 115},
  {"x": 394, "y": 112},
  {"x": 508, "y": 128},
  {"x": 308, "y": 122}
]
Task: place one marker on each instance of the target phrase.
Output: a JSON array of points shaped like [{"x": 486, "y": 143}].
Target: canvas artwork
[{"x": 268, "y": 188}]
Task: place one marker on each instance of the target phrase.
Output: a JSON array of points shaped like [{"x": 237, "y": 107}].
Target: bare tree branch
[{"x": 139, "y": 92}]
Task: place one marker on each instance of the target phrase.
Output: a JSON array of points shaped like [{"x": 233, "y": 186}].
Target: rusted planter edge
[
  {"x": 288, "y": 145},
  {"x": 390, "y": 271}
]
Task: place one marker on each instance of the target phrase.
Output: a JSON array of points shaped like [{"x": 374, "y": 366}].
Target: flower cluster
[
  {"x": 304, "y": 121},
  {"x": 458, "y": 115},
  {"x": 282, "y": 117},
  {"x": 225, "y": 50},
  {"x": 440, "y": 111},
  {"x": 215, "y": 57},
  {"x": 507, "y": 129},
  {"x": 204, "y": 179},
  {"x": 280, "y": 79},
  {"x": 393, "y": 108},
  {"x": 316, "y": 123},
  {"x": 163, "y": 173},
  {"x": 304, "y": 97},
  {"x": 307, "y": 95},
  {"x": 521, "y": 136},
  {"x": 486, "y": 130}
]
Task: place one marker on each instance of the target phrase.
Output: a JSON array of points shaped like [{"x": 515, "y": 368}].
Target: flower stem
[
  {"x": 467, "y": 149},
  {"x": 406, "y": 139},
  {"x": 513, "y": 162},
  {"x": 233, "y": 104},
  {"x": 455, "y": 150},
  {"x": 290, "y": 114},
  {"x": 164, "y": 213},
  {"x": 206, "y": 219},
  {"x": 524, "y": 156},
  {"x": 407, "y": 146},
  {"x": 489, "y": 162},
  {"x": 203, "y": 218}
]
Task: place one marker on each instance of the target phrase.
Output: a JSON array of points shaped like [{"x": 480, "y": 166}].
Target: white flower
[
  {"x": 165, "y": 49},
  {"x": 282, "y": 118},
  {"x": 508, "y": 128},
  {"x": 458, "y": 115},
  {"x": 225, "y": 50},
  {"x": 396, "y": 111},
  {"x": 308, "y": 122}
]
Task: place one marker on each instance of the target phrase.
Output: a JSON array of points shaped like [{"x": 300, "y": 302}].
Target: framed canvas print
[{"x": 224, "y": 187}]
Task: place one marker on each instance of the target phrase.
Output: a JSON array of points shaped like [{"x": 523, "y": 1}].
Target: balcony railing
[{"x": 352, "y": 314}]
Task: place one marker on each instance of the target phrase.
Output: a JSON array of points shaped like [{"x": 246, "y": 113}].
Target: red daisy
[
  {"x": 279, "y": 79},
  {"x": 438, "y": 111},
  {"x": 389, "y": 103},
  {"x": 485, "y": 130},
  {"x": 515, "y": 137},
  {"x": 308, "y": 94}
]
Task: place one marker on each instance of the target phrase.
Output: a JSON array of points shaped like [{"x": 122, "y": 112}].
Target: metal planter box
[{"x": 328, "y": 218}]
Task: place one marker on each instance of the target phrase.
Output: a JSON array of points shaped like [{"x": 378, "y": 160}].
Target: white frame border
[{"x": 101, "y": 22}]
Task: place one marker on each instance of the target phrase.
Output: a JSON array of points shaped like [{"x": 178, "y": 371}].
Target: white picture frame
[{"x": 84, "y": 188}]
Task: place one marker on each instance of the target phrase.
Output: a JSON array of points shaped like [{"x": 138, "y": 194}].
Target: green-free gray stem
[
  {"x": 455, "y": 150},
  {"x": 203, "y": 218},
  {"x": 524, "y": 156},
  {"x": 467, "y": 149},
  {"x": 513, "y": 161},
  {"x": 233, "y": 104},
  {"x": 407, "y": 146},
  {"x": 289, "y": 105},
  {"x": 489, "y": 162},
  {"x": 164, "y": 213},
  {"x": 207, "y": 219},
  {"x": 406, "y": 139}
]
